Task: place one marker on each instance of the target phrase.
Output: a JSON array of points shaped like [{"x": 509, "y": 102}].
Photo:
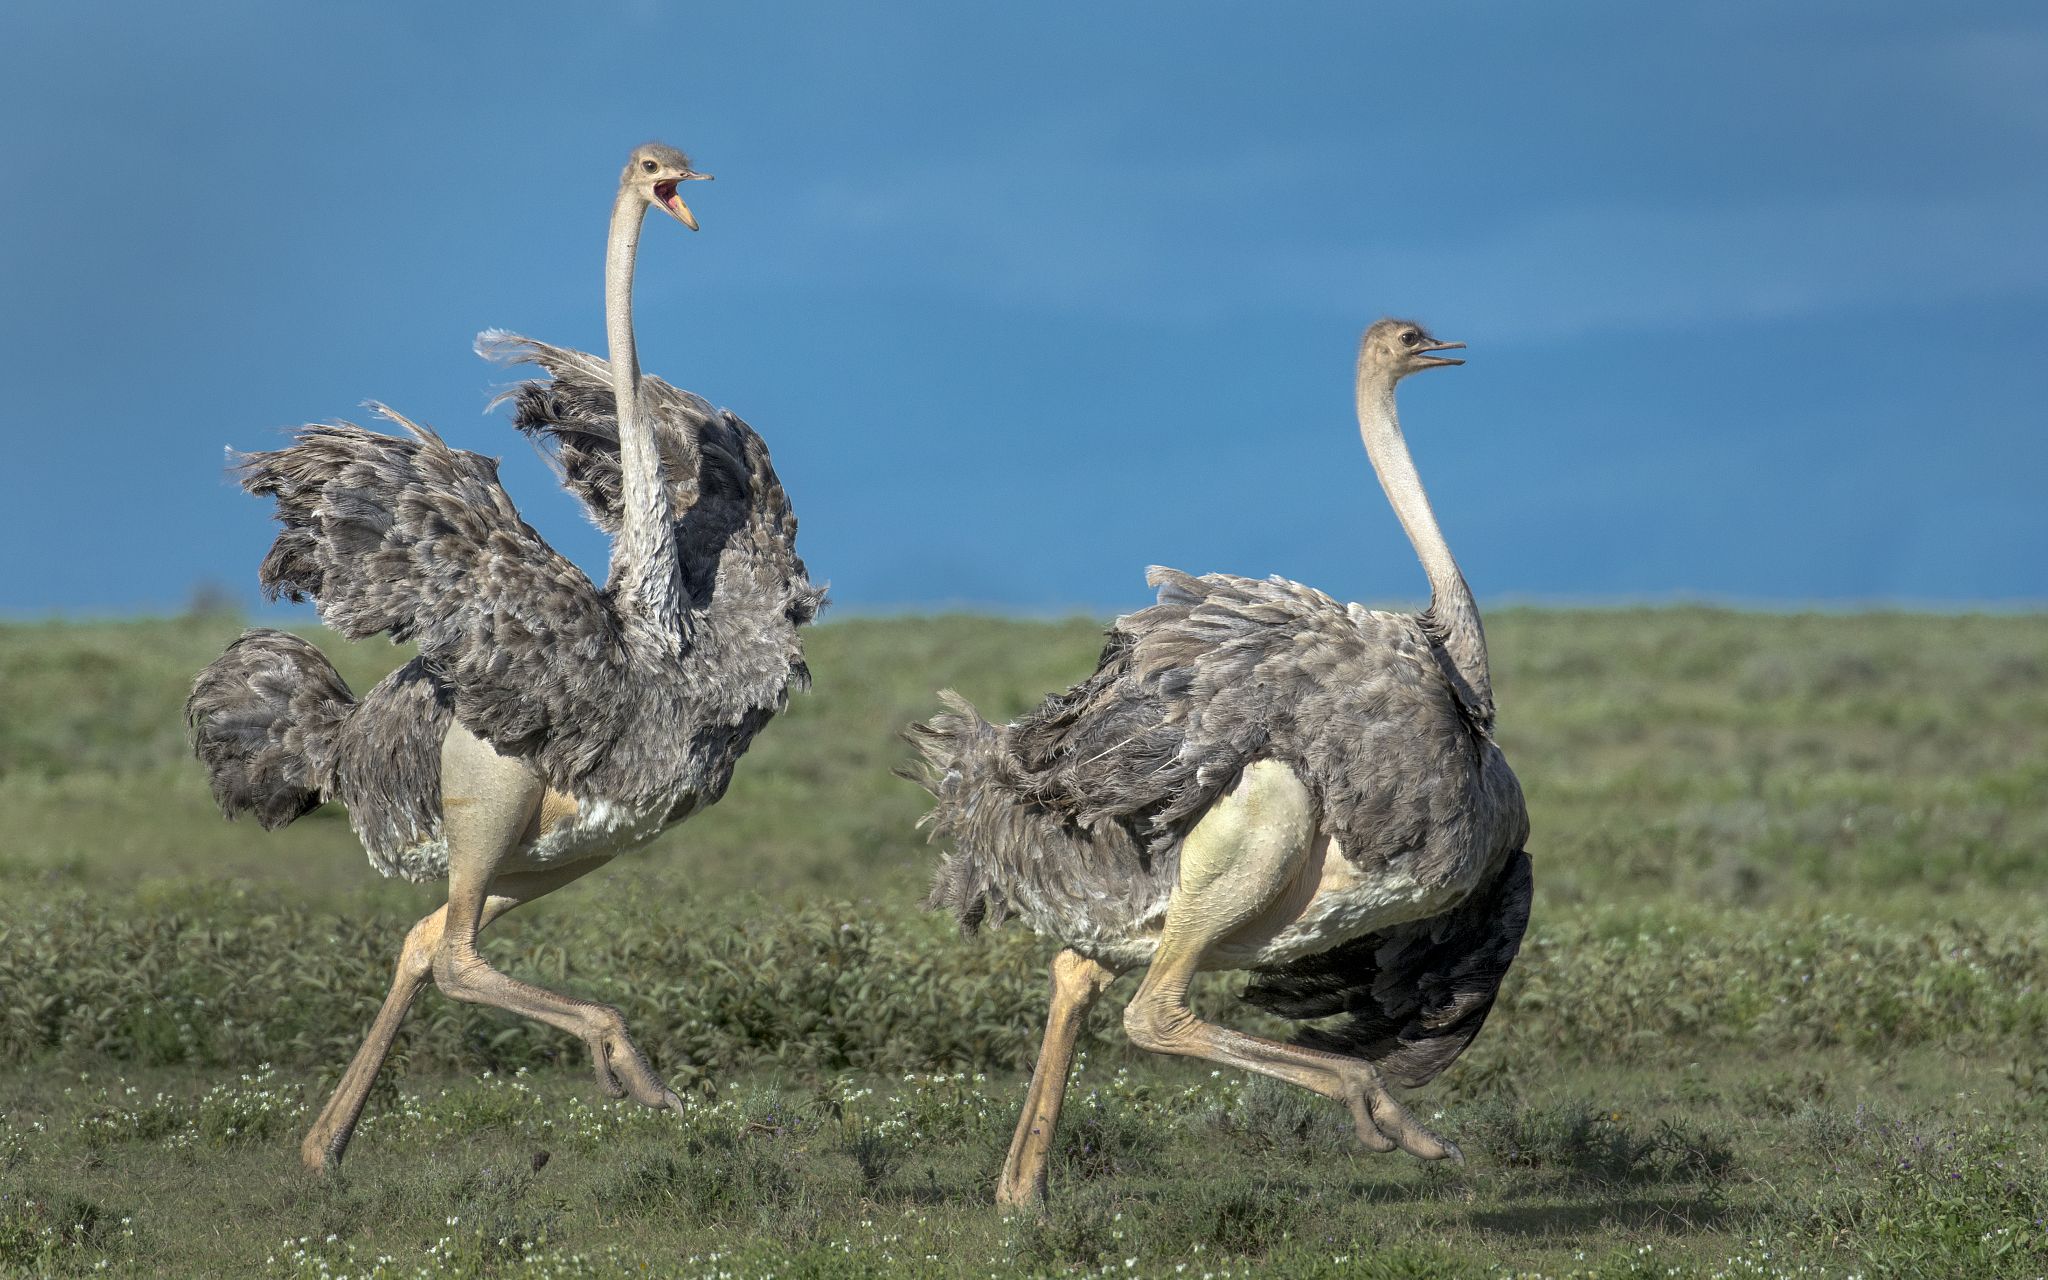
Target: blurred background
[{"x": 1025, "y": 298}]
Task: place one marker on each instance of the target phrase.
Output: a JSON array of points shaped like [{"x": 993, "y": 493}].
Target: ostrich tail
[
  {"x": 264, "y": 718},
  {"x": 1013, "y": 852},
  {"x": 958, "y": 754}
]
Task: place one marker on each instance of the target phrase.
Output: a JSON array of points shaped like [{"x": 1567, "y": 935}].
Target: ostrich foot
[
  {"x": 1025, "y": 1193},
  {"x": 1385, "y": 1125},
  {"x": 1027, "y": 1196},
  {"x": 623, "y": 1071},
  {"x": 317, "y": 1154}
]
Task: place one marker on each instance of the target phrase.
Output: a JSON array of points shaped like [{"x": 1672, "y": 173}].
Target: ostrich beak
[
  {"x": 665, "y": 196},
  {"x": 1433, "y": 362}
]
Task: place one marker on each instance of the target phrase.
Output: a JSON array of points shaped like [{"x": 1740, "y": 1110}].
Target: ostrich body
[
  {"x": 547, "y": 724},
  {"x": 1259, "y": 777}
]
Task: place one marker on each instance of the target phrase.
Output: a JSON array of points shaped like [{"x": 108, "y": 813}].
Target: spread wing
[
  {"x": 406, "y": 536},
  {"x": 571, "y": 417},
  {"x": 733, "y": 516}
]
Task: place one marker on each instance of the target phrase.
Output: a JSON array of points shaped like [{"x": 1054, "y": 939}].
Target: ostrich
[
  {"x": 1258, "y": 777},
  {"x": 547, "y": 725}
]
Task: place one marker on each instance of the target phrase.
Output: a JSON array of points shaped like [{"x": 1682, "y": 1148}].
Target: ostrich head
[
  {"x": 1392, "y": 349},
  {"x": 653, "y": 172}
]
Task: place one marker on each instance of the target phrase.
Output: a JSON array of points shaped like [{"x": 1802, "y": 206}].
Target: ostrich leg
[
  {"x": 1237, "y": 861},
  {"x": 487, "y": 801},
  {"x": 328, "y": 1139},
  {"x": 1077, "y": 983}
]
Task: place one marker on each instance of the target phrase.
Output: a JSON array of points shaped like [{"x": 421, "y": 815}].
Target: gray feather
[
  {"x": 1072, "y": 816},
  {"x": 729, "y": 501},
  {"x": 1220, "y": 672},
  {"x": 405, "y": 536},
  {"x": 408, "y": 537},
  {"x": 1014, "y": 854},
  {"x": 263, "y": 718}
]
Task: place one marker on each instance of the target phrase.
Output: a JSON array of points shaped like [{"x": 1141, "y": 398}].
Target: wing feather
[
  {"x": 733, "y": 517},
  {"x": 406, "y": 536},
  {"x": 1186, "y": 694}
]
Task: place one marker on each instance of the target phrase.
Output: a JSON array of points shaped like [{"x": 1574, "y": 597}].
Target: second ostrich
[
  {"x": 547, "y": 725},
  {"x": 1259, "y": 777}
]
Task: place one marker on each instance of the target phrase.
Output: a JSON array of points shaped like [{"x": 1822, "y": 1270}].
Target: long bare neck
[
  {"x": 1452, "y": 619},
  {"x": 644, "y": 562}
]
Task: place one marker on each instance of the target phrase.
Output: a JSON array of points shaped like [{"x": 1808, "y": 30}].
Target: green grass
[{"x": 1783, "y": 1009}]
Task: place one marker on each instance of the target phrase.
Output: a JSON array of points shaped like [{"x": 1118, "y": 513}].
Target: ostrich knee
[{"x": 1157, "y": 1026}]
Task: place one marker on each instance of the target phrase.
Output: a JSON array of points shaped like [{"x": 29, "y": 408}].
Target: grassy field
[{"x": 1783, "y": 1009}]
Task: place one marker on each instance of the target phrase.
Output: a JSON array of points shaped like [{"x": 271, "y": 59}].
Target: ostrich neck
[
  {"x": 644, "y": 563},
  {"x": 1453, "y": 616}
]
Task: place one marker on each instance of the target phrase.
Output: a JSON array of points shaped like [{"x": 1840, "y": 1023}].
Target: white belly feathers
[{"x": 563, "y": 831}]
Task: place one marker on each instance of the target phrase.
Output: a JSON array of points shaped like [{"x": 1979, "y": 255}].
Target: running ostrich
[
  {"x": 547, "y": 724},
  {"x": 1258, "y": 777}
]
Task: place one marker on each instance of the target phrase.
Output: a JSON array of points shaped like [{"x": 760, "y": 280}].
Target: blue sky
[{"x": 1027, "y": 297}]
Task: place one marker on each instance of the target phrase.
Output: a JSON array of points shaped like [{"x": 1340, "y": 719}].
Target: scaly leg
[
  {"x": 1242, "y": 855},
  {"x": 328, "y": 1139},
  {"x": 1077, "y": 982},
  {"x": 487, "y": 801}
]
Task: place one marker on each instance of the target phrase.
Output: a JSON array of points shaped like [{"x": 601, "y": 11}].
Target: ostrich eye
[
  {"x": 647, "y": 165},
  {"x": 1410, "y": 338}
]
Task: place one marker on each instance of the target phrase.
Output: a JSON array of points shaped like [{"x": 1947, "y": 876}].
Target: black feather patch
[{"x": 1411, "y": 998}]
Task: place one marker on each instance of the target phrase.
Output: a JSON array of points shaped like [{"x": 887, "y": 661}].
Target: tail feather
[
  {"x": 955, "y": 750},
  {"x": 264, "y": 718},
  {"x": 1010, "y": 854}
]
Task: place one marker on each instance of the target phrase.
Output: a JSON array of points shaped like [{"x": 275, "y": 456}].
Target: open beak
[
  {"x": 665, "y": 195},
  {"x": 1432, "y": 362}
]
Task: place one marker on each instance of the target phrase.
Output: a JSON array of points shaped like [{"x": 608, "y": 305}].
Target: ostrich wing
[
  {"x": 1410, "y": 998},
  {"x": 735, "y": 531},
  {"x": 404, "y": 535},
  {"x": 1220, "y": 672},
  {"x": 1079, "y": 807},
  {"x": 572, "y": 418}
]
